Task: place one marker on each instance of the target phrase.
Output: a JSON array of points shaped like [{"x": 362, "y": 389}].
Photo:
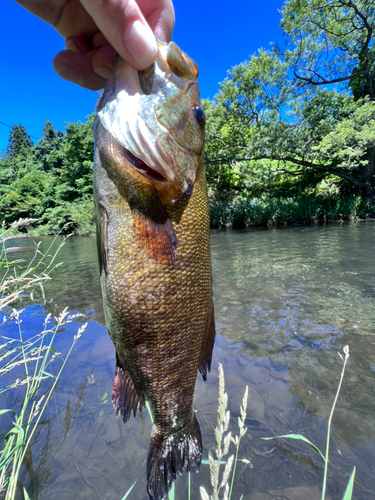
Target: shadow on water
[{"x": 286, "y": 302}]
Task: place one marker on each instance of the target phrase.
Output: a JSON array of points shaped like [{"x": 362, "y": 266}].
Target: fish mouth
[{"x": 142, "y": 167}]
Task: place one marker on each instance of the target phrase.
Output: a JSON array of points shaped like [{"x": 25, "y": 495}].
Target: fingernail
[
  {"x": 104, "y": 72},
  {"x": 69, "y": 73},
  {"x": 140, "y": 42},
  {"x": 70, "y": 45}
]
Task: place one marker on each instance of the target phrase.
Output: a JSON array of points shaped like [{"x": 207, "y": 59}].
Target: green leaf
[
  {"x": 55, "y": 353},
  {"x": 349, "y": 489},
  {"x": 26, "y": 495},
  {"x": 48, "y": 374},
  {"x": 300, "y": 438},
  {"x": 5, "y": 411},
  {"x": 149, "y": 411},
  {"x": 129, "y": 490},
  {"x": 207, "y": 462},
  {"x": 171, "y": 493}
]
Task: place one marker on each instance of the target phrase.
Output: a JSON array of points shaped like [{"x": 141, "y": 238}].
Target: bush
[{"x": 270, "y": 210}]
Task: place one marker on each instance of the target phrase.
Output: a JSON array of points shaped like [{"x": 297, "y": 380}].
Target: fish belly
[{"x": 159, "y": 314}]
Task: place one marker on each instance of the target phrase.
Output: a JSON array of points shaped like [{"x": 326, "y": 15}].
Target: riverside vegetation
[
  {"x": 26, "y": 361},
  {"x": 290, "y": 135}
]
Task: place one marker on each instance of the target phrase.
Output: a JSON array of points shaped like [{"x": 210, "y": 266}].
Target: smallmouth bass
[{"x": 153, "y": 244}]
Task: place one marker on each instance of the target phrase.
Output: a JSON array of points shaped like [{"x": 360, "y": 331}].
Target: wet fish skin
[{"x": 153, "y": 244}]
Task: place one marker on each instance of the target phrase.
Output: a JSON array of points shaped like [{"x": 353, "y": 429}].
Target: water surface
[{"x": 286, "y": 302}]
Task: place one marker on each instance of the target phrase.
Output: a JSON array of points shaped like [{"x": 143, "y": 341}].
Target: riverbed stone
[
  {"x": 265, "y": 362},
  {"x": 113, "y": 432},
  {"x": 243, "y": 361},
  {"x": 280, "y": 374},
  {"x": 294, "y": 493},
  {"x": 255, "y": 404},
  {"x": 255, "y": 374},
  {"x": 102, "y": 351},
  {"x": 279, "y": 397}
]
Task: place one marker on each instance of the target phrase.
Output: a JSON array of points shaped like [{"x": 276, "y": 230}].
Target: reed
[
  {"x": 34, "y": 355},
  {"x": 349, "y": 488},
  {"x": 223, "y": 438}
]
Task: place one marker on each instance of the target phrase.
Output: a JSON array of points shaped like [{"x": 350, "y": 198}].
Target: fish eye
[{"x": 199, "y": 114}]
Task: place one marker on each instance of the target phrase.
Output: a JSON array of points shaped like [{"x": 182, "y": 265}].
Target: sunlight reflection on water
[{"x": 286, "y": 302}]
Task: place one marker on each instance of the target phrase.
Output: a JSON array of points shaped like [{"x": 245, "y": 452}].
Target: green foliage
[
  {"x": 20, "y": 143},
  {"x": 285, "y": 121},
  {"x": 332, "y": 42},
  {"x": 50, "y": 181},
  {"x": 303, "y": 208},
  {"x": 289, "y": 133}
]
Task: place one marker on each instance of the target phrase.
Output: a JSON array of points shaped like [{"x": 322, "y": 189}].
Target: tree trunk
[{"x": 368, "y": 178}]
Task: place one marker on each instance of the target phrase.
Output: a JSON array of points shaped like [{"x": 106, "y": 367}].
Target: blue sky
[{"x": 216, "y": 34}]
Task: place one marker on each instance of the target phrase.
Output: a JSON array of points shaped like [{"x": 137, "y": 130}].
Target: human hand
[{"x": 95, "y": 31}]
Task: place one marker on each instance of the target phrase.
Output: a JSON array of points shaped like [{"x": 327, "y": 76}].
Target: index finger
[{"x": 125, "y": 24}]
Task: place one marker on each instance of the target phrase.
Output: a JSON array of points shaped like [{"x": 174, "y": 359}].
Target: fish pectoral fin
[
  {"x": 155, "y": 231},
  {"x": 171, "y": 455},
  {"x": 125, "y": 397},
  {"x": 208, "y": 344}
]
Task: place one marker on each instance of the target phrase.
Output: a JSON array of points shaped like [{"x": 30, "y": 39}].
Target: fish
[{"x": 153, "y": 239}]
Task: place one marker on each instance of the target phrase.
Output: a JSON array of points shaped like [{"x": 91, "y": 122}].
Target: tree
[
  {"x": 51, "y": 181},
  {"x": 293, "y": 114},
  {"x": 332, "y": 41},
  {"x": 20, "y": 143},
  {"x": 48, "y": 147}
]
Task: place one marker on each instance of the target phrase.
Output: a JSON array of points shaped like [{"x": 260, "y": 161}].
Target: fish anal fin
[
  {"x": 155, "y": 231},
  {"x": 125, "y": 397},
  {"x": 208, "y": 345},
  {"x": 170, "y": 456}
]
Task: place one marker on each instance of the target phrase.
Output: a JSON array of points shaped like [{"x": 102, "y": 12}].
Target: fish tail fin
[
  {"x": 125, "y": 397},
  {"x": 172, "y": 455}
]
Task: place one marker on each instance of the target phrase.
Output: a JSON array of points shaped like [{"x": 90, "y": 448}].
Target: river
[{"x": 287, "y": 300}]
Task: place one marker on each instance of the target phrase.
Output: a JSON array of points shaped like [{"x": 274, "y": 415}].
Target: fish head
[{"x": 156, "y": 119}]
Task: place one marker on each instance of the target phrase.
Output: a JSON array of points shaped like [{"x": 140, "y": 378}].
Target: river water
[{"x": 287, "y": 300}]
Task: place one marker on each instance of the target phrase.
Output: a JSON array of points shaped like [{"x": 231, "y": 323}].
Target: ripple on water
[{"x": 286, "y": 302}]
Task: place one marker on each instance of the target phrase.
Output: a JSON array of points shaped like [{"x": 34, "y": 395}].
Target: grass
[
  {"x": 325, "y": 458},
  {"x": 19, "y": 279},
  {"x": 223, "y": 439},
  {"x": 34, "y": 356}
]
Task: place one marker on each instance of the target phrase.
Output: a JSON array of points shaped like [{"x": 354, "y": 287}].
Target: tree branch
[{"x": 304, "y": 163}]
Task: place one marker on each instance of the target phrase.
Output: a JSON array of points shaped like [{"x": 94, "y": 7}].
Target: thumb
[{"x": 124, "y": 26}]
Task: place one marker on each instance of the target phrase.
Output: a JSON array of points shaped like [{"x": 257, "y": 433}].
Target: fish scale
[{"x": 154, "y": 255}]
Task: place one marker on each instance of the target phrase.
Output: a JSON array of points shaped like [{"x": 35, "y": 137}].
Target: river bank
[{"x": 237, "y": 213}]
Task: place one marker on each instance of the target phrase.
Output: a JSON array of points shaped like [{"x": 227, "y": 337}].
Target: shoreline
[{"x": 234, "y": 227}]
